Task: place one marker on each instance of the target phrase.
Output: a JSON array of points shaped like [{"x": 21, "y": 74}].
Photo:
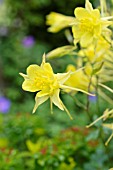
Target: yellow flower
[
  {"x": 100, "y": 57},
  {"x": 78, "y": 79},
  {"x": 41, "y": 79},
  {"x": 96, "y": 53},
  {"x": 58, "y": 21},
  {"x": 89, "y": 25}
]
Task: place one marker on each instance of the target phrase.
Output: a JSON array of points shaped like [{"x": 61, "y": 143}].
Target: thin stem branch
[
  {"x": 97, "y": 101},
  {"x": 88, "y": 102}
]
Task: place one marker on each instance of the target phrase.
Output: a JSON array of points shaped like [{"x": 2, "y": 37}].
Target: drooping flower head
[
  {"x": 89, "y": 25},
  {"x": 41, "y": 79},
  {"x": 78, "y": 79},
  {"x": 58, "y": 21}
]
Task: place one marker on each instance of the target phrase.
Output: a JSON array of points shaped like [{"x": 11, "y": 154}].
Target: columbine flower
[
  {"x": 41, "y": 79},
  {"x": 58, "y": 21},
  {"x": 28, "y": 41},
  {"x": 96, "y": 53},
  {"x": 89, "y": 25},
  {"x": 78, "y": 79},
  {"x": 4, "y": 104}
]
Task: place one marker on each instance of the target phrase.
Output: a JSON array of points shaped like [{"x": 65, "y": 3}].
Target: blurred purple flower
[
  {"x": 4, "y": 104},
  {"x": 93, "y": 98},
  {"x": 28, "y": 41}
]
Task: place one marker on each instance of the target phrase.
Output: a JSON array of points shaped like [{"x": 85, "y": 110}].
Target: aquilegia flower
[
  {"x": 96, "y": 54},
  {"x": 41, "y": 79},
  {"x": 89, "y": 25},
  {"x": 58, "y": 21},
  {"x": 4, "y": 104}
]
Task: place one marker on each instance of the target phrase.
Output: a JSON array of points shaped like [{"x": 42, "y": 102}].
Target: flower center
[
  {"x": 86, "y": 25},
  {"x": 46, "y": 82}
]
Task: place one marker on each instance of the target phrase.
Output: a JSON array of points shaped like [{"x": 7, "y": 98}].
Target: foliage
[
  {"x": 35, "y": 148},
  {"x": 82, "y": 52}
]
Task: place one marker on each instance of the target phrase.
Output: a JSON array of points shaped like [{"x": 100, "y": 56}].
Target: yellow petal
[
  {"x": 47, "y": 68},
  {"x": 39, "y": 101},
  {"x": 86, "y": 39},
  {"x": 97, "y": 30},
  {"x": 58, "y": 21},
  {"x": 106, "y": 23},
  {"x": 43, "y": 93},
  {"x": 56, "y": 100},
  {"x": 24, "y": 76},
  {"x": 62, "y": 77},
  {"x": 28, "y": 85},
  {"x": 33, "y": 70},
  {"x": 76, "y": 89},
  {"x": 43, "y": 59},
  {"x": 67, "y": 111},
  {"x": 88, "y": 6},
  {"x": 70, "y": 67},
  {"x": 81, "y": 13},
  {"x": 96, "y": 14},
  {"x": 107, "y": 18},
  {"x": 76, "y": 32}
]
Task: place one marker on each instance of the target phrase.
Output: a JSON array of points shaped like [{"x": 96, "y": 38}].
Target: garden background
[{"x": 43, "y": 141}]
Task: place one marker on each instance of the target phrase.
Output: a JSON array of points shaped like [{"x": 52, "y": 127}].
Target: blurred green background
[{"x": 42, "y": 141}]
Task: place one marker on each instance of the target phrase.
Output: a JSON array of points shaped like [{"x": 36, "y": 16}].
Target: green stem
[
  {"x": 88, "y": 102},
  {"x": 97, "y": 101}
]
